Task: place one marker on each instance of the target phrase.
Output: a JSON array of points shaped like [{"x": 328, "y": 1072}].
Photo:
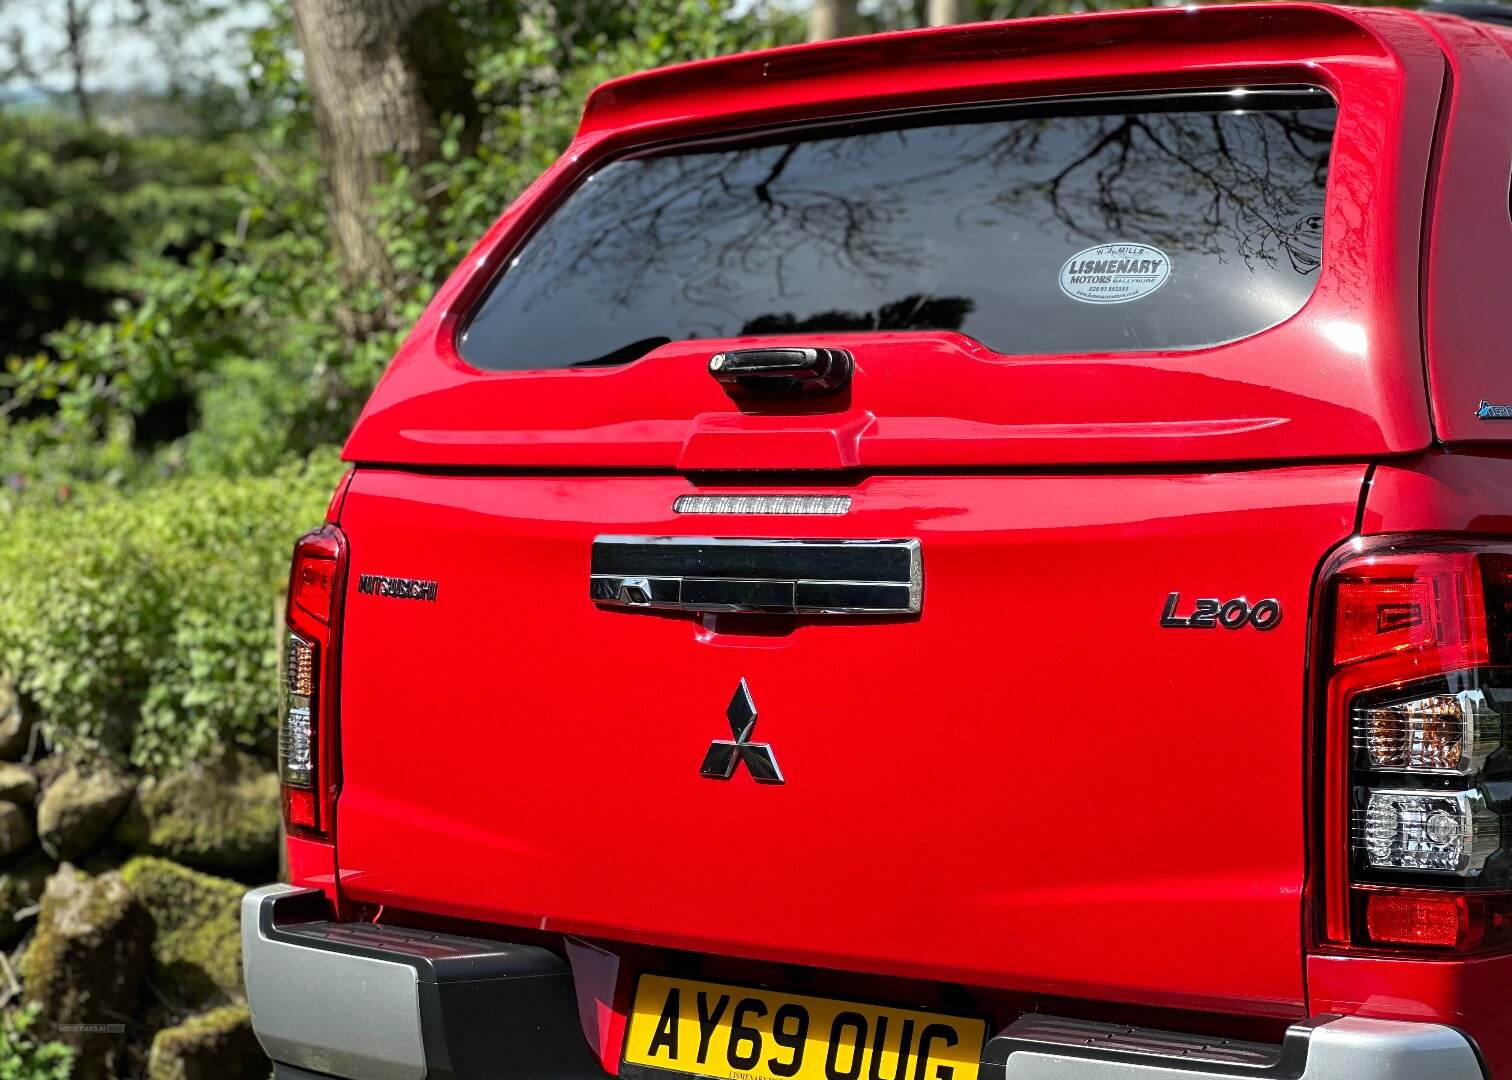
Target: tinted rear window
[{"x": 1115, "y": 225}]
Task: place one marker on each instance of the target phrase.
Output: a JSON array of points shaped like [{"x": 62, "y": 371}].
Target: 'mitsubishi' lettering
[{"x": 397, "y": 587}]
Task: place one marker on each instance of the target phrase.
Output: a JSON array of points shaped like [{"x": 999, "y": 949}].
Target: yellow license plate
[{"x": 709, "y": 1029}]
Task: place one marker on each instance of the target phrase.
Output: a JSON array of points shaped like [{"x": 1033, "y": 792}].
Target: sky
[
  {"x": 121, "y": 57},
  {"x": 124, "y": 58}
]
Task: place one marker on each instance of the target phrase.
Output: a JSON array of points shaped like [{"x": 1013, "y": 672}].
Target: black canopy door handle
[{"x": 783, "y": 370}]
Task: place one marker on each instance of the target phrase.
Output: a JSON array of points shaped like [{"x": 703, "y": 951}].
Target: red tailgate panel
[{"x": 1031, "y": 785}]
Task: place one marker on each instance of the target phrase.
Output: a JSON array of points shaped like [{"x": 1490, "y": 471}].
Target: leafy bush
[
  {"x": 23, "y": 1056},
  {"x": 81, "y": 211},
  {"x": 221, "y": 340},
  {"x": 143, "y": 625}
]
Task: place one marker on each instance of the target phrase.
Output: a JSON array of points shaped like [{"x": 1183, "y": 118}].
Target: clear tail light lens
[
  {"x": 307, "y": 713},
  {"x": 1449, "y": 833},
  {"x": 1417, "y": 781},
  {"x": 1426, "y": 732},
  {"x": 296, "y": 733}
]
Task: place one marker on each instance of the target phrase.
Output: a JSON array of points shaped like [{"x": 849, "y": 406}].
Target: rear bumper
[{"x": 379, "y": 1003}]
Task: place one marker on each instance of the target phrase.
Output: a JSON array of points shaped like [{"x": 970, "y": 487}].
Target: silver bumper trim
[
  {"x": 1348, "y": 1048},
  {"x": 328, "y": 1012}
]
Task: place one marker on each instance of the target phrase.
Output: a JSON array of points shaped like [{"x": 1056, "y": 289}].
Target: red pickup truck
[{"x": 971, "y": 554}]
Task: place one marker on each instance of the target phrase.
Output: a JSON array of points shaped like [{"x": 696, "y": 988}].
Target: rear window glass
[{"x": 1108, "y": 225}]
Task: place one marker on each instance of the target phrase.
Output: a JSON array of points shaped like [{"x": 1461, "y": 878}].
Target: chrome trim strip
[
  {"x": 796, "y": 505},
  {"x": 721, "y": 574}
]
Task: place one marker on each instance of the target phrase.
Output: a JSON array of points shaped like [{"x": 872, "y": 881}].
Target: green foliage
[
  {"x": 143, "y": 624},
  {"x": 228, "y": 360},
  {"x": 23, "y": 1056},
  {"x": 209, "y": 336},
  {"x": 237, "y": 342},
  {"x": 82, "y": 210}
]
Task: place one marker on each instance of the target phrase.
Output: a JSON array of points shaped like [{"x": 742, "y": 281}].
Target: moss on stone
[
  {"x": 217, "y": 1045},
  {"x": 221, "y": 817},
  {"x": 76, "y": 812},
  {"x": 85, "y": 963},
  {"x": 197, "y": 951}
]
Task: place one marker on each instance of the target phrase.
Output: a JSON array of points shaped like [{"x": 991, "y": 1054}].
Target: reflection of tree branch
[
  {"x": 764, "y": 189},
  {"x": 1052, "y": 186},
  {"x": 710, "y": 226},
  {"x": 1234, "y": 183}
]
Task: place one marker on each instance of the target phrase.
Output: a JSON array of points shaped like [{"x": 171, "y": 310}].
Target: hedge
[{"x": 143, "y": 624}]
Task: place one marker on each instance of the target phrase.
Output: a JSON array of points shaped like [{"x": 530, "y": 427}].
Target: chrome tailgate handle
[{"x": 705, "y": 573}]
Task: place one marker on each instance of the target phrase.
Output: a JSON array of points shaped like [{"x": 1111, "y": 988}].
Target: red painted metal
[
  {"x": 1470, "y": 239},
  {"x": 312, "y": 863},
  {"x": 1442, "y": 493},
  {"x": 979, "y": 795},
  {"x": 1032, "y": 789},
  {"x": 1341, "y": 378},
  {"x": 333, "y": 509}
]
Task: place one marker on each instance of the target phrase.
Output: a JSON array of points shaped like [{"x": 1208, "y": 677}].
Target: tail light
[
  {"x": 307, "y": 713},
  {"x": 1417, "y": 780}
]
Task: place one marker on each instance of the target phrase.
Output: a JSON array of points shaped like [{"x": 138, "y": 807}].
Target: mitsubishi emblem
[{"x": 726, "y": 754}]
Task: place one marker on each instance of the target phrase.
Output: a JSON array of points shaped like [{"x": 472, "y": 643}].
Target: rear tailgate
[{"x": 1031, "y": 784}]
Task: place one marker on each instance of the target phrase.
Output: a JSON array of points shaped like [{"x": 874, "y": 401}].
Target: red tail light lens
[
  {"x": 1463, "y": 923},
  {"x": 307, "y": 712},
  {"x": 1376, "y": 618},
  {"x": 1416, "y": 919},
  {"x": 312, "y": 580},
  {"x": 1414, "y": 609},
  {"x": 1417, "y": 774}
]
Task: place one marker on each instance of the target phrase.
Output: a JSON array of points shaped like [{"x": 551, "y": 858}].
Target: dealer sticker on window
[{"x": 1114, "y": 273}]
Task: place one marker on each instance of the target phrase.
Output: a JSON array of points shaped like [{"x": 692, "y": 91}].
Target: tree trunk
[
  {"x": 381, "y": 75},
  {"x": 947, "y": 12},
  {"x": 75, "y": 51},
  {"x": 831, "y": 19}
]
